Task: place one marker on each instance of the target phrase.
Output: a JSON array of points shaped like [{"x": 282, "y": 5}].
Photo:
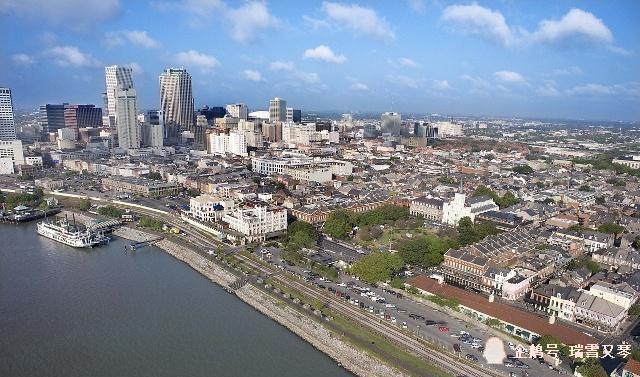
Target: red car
[{"x": 443, "y": 329}]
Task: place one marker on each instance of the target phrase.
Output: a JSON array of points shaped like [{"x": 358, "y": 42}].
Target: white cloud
[
  {"x": 136, "y": 37},
  {"x": 417, "y": 5},
  {"x": 406, "y": 62},
  {"x": 249, "y": 20},
  {"x": 307, "y": 77},
  {"x": 441, "y": 84},
  {"x": 358, "y": 86},
  {"x": 361, "y": 20},
  {"x": 315, "y": 23},
  {"x": 631, "y": 89},
  {"x": 252, "y": 75},
  {"x": 476, "y": 81},
  {"x": 22, "y": 59},
  {"x": 71, "y": 56},
  {"x": 509, "y": 77},
  {"x": 569, "y": 71},
  {"x": 575, "y": 26},
  {"x": 141, "y": 38},
  {"x": 194, "y": 58},
  {"x": 75, "y": 14},
  {"x": 402, "y": 80},
  {"x": 548, "y": 89},
  {"x": 325, "y": 53},
  {"x": 281, "y": 66},
  {"x": 477, "y": 20}
]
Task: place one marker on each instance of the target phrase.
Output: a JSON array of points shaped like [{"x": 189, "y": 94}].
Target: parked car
[
  {"x": 471, "y": 357},
  {"x": 443, "y": 329}
]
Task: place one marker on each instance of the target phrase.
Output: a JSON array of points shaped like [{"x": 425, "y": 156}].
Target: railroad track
[{"x": 440, "y": 359}]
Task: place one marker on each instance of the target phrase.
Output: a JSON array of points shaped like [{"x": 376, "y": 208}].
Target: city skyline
[{"x": 576, "y": 60}]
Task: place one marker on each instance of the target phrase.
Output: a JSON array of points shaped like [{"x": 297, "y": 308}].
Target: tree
[
  {"x": 446, "y": 180},
  {"x": 611, "y": 228},
  {"x": 425, "y": 251},
  {"x": 466, "y": 231},
  {"x": 591, "y": 368},
  {"x": 523, "y": 169},
  {"x": 339, "y": 224},
  {"x": 155, "y": 176},
  {"x": 502, "y": 201},
  {"x": 636, "y": 243},
  {"x": 600, "y": 200},
  {"x": 549, "y": 201},
  {"x": 634, "y": 310},
  {"x": 84, "y": 205},
  {"x": 585, "y": 188},
  {"x": 301, "y": 234},
  {"x": 150, "y": 223},
  {"x": 110, "y": 211},
  {"x": 193, "y": 192},
  {"x": 550, "y": 339},
  {"x": 377, "y": 267}
]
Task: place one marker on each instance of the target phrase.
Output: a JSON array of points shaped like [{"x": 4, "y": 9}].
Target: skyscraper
[
  {"x": 51, "y": 119},
  {"x": 277, "y": 110},
  {"x": 153, "y": 129},
  {"x": 82, "y": 116},
  {"x": 127, "y": 122},
  {"x": 391, "y": 123},
  {"x": 238, "y": 110},
  {"x": 116, "y": 77},
  {"x": 176, "y": 100},
  {"x": 294, "y": 115},
  {"x": 7, "y": 121}
]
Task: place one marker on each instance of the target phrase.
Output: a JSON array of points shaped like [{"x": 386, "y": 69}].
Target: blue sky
[{"x": 554, "y": 59}]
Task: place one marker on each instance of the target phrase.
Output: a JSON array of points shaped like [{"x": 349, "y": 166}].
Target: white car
[
  {"x": 476, "y": 345},
  {"x": 341, "y": 285}
]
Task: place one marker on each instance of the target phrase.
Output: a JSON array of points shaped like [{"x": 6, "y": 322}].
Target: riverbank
[
  {"x": 351, "y": 358},
  {"x": 354, "y": 360}
]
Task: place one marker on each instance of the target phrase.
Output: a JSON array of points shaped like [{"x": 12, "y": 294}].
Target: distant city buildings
[
  {"x": 294, "y": 115},
  {"x": 153, "y": 129},
  {"x": 277, "y": 110},
  {"x": 51, "y": 119},
  {"x": 82, "y": 116},
  {"x": 7, "y": 121},
  {"x": 116, "y": 77},
  {"x": 391, "y": 123},
  {"x": 238, "y": 110},
  {"x": 234, "y": 143},
  {"x": 127, "y": 123},
  {"x": 176, "y": 101}
]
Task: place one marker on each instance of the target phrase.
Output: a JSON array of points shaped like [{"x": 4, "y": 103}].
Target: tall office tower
[
  {"x": 199, "y": 133},
  {"x": 370, "y": 131},
  {"x": 238, "y": 110},
  {"x": 277, "y": 110},
  {"x": 294, "y": 115},
  {"x": 153, "y": 129},
  {"x": 82, "y": 116},
  {"x": 391, "y": 123},
  {"x": 7, "y": 121},
  {"x": 176, "y": 100},
  {"x": 127, "y": 122},
  {"x": 116, "y": 77},
  {"x": 51, "y": 119}
]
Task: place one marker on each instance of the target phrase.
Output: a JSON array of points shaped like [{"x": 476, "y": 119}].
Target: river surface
[{"x": 103, "y": 312}]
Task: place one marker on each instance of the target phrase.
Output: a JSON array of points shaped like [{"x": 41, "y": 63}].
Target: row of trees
[
  {"x": 469, "y": 233},
  {"x": 507, "y": 200},
  {"x": 151, "y": 223},
  {"x": 340, "y": 223},
  {"x": 14, "y": 199},
  {"x": 378, "y": 266},
  {"x": 604, "y": 161},
  {"x": 110, "y": 211},
  {"x": 424, "y": 251}
]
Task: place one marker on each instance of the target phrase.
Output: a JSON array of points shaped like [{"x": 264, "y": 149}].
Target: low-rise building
[
  {"x": 257, "y": 221},
  {"x": 591, "y": 241},
  {"x": 598, "y": 312},
  {"x": 429, "y": 208},
  {"x": 620, "y": 294},
  {"x": 139, "y": 186},
  {"x": 209, "y": 208},
  {"x": 461, "y": 206}
]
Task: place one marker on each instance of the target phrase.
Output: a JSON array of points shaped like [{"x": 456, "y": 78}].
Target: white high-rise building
[
  {"x": 7, "y": 121},
  {"x": 277, "y": 110},
  {"x": 235, "y": 143},
  {"x": 127, "y": 111},
  {"x": 116, "y": 77},
  {"x": 176, "y": 99},
  {"x": 238, "y": 110}
]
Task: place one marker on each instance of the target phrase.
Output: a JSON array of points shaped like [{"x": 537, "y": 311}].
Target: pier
[{"x": 140, "y": 244}]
